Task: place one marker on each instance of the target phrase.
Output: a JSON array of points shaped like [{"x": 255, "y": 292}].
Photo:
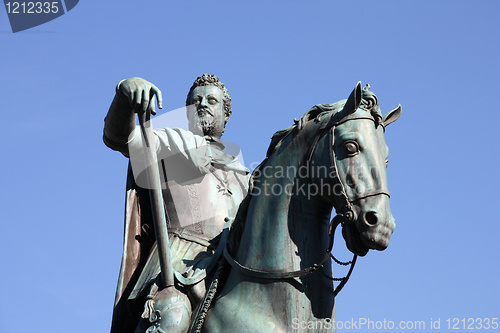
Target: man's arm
[{"x": 133, "y": 95}]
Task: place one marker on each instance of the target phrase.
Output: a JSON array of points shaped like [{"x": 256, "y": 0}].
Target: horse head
[{"x": 358, "y": 158}]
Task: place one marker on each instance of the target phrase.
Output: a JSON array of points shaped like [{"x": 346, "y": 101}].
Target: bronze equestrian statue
[{"x": 275, "y": 273}]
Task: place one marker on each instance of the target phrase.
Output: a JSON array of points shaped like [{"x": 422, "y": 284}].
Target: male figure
[{"x": 203, "y": 186}]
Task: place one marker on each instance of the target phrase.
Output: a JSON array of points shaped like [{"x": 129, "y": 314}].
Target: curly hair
[{"x": 212, "y": 80}]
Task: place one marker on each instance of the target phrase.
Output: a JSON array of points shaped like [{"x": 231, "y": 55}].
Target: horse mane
[{"x": 316, "y": 113}]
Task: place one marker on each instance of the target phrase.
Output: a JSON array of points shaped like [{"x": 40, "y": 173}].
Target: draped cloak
[{"x": 201, "y": 186}]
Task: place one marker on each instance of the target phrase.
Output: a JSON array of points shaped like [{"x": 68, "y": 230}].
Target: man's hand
[{"x": 140, "y": 94}]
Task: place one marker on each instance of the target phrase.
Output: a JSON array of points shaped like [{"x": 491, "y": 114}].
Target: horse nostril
[{"x": 371, "y": 218}]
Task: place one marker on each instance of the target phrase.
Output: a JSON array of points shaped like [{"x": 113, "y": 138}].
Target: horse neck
[{"x": 285, "y": 228}]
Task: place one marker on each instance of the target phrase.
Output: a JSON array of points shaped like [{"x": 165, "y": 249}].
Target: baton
[{"x": 156, "y": 199}]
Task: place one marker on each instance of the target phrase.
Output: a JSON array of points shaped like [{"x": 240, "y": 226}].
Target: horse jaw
[{"x": 353, "y": 240}]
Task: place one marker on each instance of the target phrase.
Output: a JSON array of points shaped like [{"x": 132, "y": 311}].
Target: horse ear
[
  {"x": 353, "y": 101},
  {"x": 392, "y": 116}
]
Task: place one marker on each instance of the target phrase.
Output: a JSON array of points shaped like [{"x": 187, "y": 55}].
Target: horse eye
[{"x": 351, "y": 148}]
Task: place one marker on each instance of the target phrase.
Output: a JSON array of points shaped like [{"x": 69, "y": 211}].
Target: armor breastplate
[{"x": 201, "y": 204}]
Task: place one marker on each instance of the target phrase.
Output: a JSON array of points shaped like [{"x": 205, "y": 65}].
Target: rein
[
  {"x": 346, "y": 214},
  {"x": 303, "y": 272}
]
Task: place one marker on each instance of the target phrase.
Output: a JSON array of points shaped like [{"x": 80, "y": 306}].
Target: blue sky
[{"x": 62, "y": 198}]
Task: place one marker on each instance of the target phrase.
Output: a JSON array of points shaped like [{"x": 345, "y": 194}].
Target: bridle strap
[
  {"x": 345, "y": 206},
  {"x": 369, "y": 194}
]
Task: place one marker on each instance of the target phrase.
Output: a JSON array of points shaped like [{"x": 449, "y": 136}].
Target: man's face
[{"x": 206, "y": 113}]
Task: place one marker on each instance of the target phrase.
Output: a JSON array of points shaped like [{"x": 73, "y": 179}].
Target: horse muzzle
[{"x": 372, "y": 226}]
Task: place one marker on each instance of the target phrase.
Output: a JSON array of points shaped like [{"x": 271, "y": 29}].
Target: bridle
[
  {"x": 344, "y": 205},
  {"x": 345, "y": 214}
]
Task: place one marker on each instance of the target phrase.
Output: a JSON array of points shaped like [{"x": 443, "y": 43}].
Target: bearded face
[{"x": 206, "y": 113}]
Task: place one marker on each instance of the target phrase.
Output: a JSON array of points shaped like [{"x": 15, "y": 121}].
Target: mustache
[{"x": 201, "y": 110}]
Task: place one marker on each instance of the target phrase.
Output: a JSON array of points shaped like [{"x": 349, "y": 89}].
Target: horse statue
[{"x": 280, "y": 273}]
